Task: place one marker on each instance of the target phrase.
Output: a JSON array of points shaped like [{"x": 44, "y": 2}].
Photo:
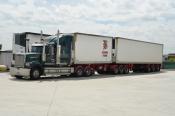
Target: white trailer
[
  {"x": 92, "y": 49},
  {"x": 138, "y": 52}
]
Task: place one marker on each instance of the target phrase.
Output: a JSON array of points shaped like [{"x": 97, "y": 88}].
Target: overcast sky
[{"x": 149, "y": 20}]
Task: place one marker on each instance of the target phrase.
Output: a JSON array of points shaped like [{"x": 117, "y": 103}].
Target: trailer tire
[
  {"x": 148, "y": 69},
  {"x": 79, "y": 71},
  {"x": 92, "y": 71},
  {"x": 87, "y": 71},
  {"x": 115, "y": 70},
  {"x": 126, "y": 70},
  {"x": 153, "y": 68},
  {"x": 158, "y": 68},
  {"x": 121, "y": 71},
  {"x": 35, "y": 73}
]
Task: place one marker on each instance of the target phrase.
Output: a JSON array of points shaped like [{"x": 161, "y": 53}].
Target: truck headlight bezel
[{"x": 27, "y": 64}]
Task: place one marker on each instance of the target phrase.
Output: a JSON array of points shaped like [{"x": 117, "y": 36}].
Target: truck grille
[{"x": 19, "y": 60}]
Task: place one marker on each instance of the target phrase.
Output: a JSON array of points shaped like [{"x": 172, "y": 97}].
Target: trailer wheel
[
  {"x": 158, "y": 68},
  {"x": 153, "y": 68},
  {"x": 115, "y": 70},
  {"x": 35, "y": 74},
  {"x": 87, "y": 71},
  {"x": 121, "y": 69},
  {"x": 148, "y": 69},
  {"x": 79, "y": 71},
  {"x": 126, "y": 70},
  {"x": 92, "y": 71}
]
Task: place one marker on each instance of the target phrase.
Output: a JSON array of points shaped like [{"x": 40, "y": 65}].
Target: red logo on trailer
[{"x": 105, "y": 46}]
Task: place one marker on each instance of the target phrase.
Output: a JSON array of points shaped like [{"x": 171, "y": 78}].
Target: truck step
[{"x": 59, "y": 70}]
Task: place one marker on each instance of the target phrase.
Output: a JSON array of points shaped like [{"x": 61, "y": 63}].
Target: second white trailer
[{"x": 138, "y": 52}]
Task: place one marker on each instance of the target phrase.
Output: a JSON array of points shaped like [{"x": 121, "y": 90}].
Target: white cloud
[{"x": 150, "y": 20}]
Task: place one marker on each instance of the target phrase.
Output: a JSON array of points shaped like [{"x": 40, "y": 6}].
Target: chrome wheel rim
[{"x": 35, "y": 73}]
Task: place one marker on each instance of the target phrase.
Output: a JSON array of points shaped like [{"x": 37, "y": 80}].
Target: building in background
[
  {"x": 6, "y": 58},
  {"x": 171, "y": 57},
  {"x": 22, "y": 42},
  {"x": 169, "y": 61}
]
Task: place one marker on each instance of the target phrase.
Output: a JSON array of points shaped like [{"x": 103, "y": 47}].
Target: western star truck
[{"x": 80, "y": 54}]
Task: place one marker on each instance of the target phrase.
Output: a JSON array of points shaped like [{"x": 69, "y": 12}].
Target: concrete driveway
[{"x": 136, "y": 94}]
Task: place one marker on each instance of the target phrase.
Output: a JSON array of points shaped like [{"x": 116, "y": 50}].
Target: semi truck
[
  {"x": 80, "y": 54},
  {"x": 22, "y": 42}
]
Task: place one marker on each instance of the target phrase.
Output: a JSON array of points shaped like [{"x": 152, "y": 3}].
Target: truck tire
[
  {"x": 79, "y": 71},
  {"x": 35, "y": 74},
  {"x": 19, "y": 77},
  {"x": 87, "y": 71}
]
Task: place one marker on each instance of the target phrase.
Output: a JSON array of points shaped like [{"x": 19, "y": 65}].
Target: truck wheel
[
  {"x": 18, "y": 77},
  {"x": 79, "y": 71},
  {"x": 126, "y": 70},
  {"x": 87, "y": 71},
  {"x": 121, "y": 69},
  {"x": 115, "y": 70},
  {"x": 35, "y": 74}
]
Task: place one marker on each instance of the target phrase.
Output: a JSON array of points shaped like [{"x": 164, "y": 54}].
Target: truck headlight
[{"x": 27, "y": 64}]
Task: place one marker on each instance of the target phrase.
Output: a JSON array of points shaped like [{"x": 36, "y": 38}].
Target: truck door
[
  {"x": 51, "y": 53},
  {"x": 66, "y": 44}
]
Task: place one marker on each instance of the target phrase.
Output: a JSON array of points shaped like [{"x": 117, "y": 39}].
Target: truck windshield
[{"x": 37, "y": 49}]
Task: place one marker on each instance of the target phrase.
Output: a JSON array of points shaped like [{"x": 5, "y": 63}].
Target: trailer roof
[
  {"x": 93, "y": 35},
  {"x": 139, "y": 40}
]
